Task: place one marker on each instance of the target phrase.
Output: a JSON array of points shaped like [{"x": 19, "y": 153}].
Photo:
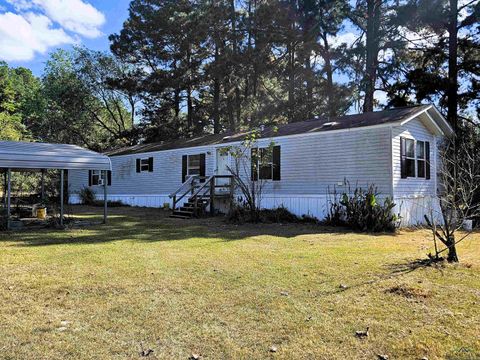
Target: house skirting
[
  {"x": 411, "y": 208},
  {"x": 155, "y": 201}
]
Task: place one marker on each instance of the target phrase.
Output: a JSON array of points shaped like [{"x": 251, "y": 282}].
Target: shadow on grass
[
  {"x": 151, "y": 225},
  {"x": 410, "y": 266}
]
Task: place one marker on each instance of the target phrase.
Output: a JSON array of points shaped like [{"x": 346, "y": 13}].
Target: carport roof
[{"x": 18, "y": 155}]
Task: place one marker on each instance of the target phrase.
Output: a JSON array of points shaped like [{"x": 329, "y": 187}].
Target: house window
[
  {"x": 410, "y": 157},
  {"x": 266, "y": 163},
  {"x": 421, "y": 159},
  {"x": 97, "y": 177},
  {"x": 145, "y": 164},
  {"x": 415, "y": 158},
  {"x": 193, "y": 167}
]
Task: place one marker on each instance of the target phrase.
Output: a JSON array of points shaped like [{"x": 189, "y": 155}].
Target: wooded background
[{"x": 182, "y": 68}]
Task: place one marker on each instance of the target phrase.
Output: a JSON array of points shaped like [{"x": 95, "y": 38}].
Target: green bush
[
  {"x": 87, "y": 196},
  {"x": 278, "y": 215},
  {"x": 361, "y": 210},
  {"x": 239, "y": 214}
]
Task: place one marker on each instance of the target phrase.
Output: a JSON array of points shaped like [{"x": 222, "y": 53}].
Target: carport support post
[
  {"x": 61, "y": 196},
  {"x": 9, "y": 189},
  {"x": 43, "y": 186},
  {"x": 105, "y": 196}
]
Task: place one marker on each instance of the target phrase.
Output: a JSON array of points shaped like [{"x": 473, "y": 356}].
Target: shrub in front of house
[
  {"x": 239, "y": 214},
  {"x": 87, "y": 196},
  {"x": 362, "y": 210}
]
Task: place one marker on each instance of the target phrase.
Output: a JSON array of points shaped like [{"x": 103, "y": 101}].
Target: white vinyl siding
[
  {"x": 309, "y": 165},
  {"x": 165, "y": 178},
  {"x": 314, "y": 164}
]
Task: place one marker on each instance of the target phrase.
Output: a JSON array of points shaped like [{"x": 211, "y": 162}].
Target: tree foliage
[{"x": 210, "y": 66}]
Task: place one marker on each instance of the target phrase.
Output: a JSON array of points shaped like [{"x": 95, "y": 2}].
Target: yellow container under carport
[{"x": 42, "y": 213}]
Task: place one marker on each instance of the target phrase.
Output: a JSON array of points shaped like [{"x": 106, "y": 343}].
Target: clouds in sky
[{"x": 35, "y": 26}]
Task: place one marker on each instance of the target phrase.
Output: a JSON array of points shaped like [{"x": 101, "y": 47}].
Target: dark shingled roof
[{"x": 303, "y": 127}]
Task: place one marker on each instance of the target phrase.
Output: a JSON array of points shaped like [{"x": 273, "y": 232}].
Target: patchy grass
[{"x": 145, "y": 282}]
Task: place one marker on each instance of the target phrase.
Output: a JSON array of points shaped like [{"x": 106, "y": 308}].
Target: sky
[{"x": 31, "y": 29}]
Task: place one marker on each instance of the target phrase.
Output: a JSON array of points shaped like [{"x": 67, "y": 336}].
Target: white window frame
[
  {"x": 193, "y": 167},
  {"x": 96, "y": 176},
  {"x": 259, "y": 164},
  {"x": 424, "y": 159},
  {"x": 416, "y": 158},
  {"x": 144, "y": 165},
  {"x": 413, "y": 158}
]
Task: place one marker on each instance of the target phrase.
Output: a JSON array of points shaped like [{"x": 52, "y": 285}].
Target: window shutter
[
  {"x": 150, "y": 164},
  {"x": 202, "y": 165},
  {"x": 254, "y": 162},
  {"x": 276, "y": 163},
  {"x": 89, "y": 177},
  {"x": 109, "y": 177},
  {"x": 138, "y": 165},
  {"x": 403, "y": 158},
  {"x": 427, "y": 160},
  {"x": 184, "y": 167}
]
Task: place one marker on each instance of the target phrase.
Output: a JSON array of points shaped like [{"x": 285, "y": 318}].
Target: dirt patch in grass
[{"x": 408, "y": 292}]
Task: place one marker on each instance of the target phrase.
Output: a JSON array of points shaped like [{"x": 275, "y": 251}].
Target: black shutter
[
  {"x": 403, "y": 158},
  {"x": 184, "y": 167},
  {"x": 138, "y": 165},
  {"x": 202, "y": 165},
  {"x": 109, "y": 177},
  {"x": 427, "y": 160},
  {"x": 254, "y": 161},
  {"x": 276, "y": 163},
  {"x": 89, "y": 177},
  {"x": 150, "y": 164}
]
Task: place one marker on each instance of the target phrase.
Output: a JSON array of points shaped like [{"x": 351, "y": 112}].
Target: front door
[{"x": 223, "y": 161}]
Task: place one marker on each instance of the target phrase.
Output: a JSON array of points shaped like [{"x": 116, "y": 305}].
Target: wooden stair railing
[{"x": 203, "y": 191}]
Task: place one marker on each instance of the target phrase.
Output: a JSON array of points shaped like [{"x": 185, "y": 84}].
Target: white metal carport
[{"x": 31, "y": 156}]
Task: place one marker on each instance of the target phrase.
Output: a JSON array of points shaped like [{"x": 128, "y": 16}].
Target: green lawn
[{"x": 231, "y": 292}]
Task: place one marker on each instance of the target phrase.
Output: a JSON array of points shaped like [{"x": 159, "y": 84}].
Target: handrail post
[
  {"x": 174, "y": 201},
  {"x": 212, "y": 195}
]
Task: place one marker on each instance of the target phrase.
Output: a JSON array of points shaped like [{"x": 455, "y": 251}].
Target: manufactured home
[{"x": 396, "y": 150}]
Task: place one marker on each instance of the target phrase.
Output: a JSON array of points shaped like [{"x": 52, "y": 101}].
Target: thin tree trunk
[
  {"x": 452, "y": 104},
  {"x": 216, "y": 96},
  {"x": 255, "y": 65},
  {"x": 452, "y": 250},
  {"x": 189, "y": 109},
  {"x": 331, "y": 101},
  {"x": 237, "y": 101},
  {"x": 249, "y": 49},
  {"x": 176, "y": 95},
  {"x": 308, "y": 39},
  {"x": 452, "y": 66},
  {"x": 291, "y": 82},
  {"x": 189, "y": 96},
  {"x": 372, "y": 43}
]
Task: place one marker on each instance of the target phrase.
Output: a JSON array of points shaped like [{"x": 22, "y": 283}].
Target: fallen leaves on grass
[
  {"x": 362, "y": 334},
  {"x": 273, "y": 349}
]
